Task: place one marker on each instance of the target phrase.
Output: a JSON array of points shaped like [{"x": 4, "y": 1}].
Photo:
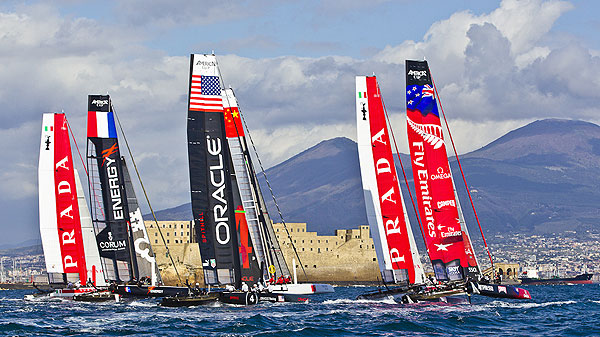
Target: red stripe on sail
[
  {"x": 92, "y": 125},
  {"x": 67, "y": 206},
  {"x": 390, "y": 201}
]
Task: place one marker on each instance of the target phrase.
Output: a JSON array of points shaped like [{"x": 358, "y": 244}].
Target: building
[
  {"x": 183, "y": 251},
  {"x": 347, "y": 256}
]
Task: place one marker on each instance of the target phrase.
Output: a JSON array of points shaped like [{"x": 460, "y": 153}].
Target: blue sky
[{"x": 498, "y": 65}]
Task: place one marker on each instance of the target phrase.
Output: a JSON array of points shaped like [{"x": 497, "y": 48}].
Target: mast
[
  {"x": 210, "y": 183},
  {"x": 436, "y": 198},
  {"x": 396, "y": 250},
  {"x": 144, "y": 256},
  {"x": 60, "y": 224},
  {"x": 268, "y": 252},
  {"x": 107, "y": 188}
]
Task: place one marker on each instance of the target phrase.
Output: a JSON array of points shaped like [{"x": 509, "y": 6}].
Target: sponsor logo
[
  {"x": 217, "y": 180},
  {"x": 47, "y": 142},
  {"x": 441, "y": 246},
  {"x": 440, "y": 174},
  {"x": 445, "y": 203},
  {"x": 248, "y": 278},
  {"x": 206, "y": 63},
  {"x": 112, "y": 245},
  {"x": 114, "y": 185},
  {"x": 453, "y": 270},
  {"x": 473, "y": 270},
  {"x": 450, "y": 234},
  {"x": 100, "y": 102},
  {"x": 364, "y": 111},
  {"x": 422, "y": 187},
  {"x": 417, "y": 74},
  {"x": 486, "y": 287}
]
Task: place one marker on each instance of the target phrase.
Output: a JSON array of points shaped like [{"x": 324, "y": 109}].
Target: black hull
[
  {"x": 190, "y": 301},
  {"x": 239, "y": 297},
  {"x": 150, "y": 291},
  {"x": 446, "y": 294},
  {"x": 499, "y": 291},
  {"x": 97, "y": 296},
  {"x": 273, "y": 297},
  {"x": 579, "y": 279}
]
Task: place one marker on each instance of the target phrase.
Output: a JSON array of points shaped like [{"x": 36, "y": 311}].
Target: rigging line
[
  {"x": 487, "y": 249},
  {"x": 274, "y": 200},
  {"x": 77, "y": 147},
  {"x": 145, "y": 194},
  {"x": 268, "y": 183},
  {"x": 269, "y": 239},
  {"x": 403, "y": 172}
]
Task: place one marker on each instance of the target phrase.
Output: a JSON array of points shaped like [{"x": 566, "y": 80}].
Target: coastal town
[{"x": 334, "y": 258}]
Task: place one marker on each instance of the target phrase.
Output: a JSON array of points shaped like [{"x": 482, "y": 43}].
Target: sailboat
[
  {"x": 68, "y": 239},
  {"x": 397, "y": 253},
  {"x": 237, "y": 243},
  {"x": 444, "y": 228},
  {"x": 446, "y": 238},
  {"x": 126, "y": 254}
]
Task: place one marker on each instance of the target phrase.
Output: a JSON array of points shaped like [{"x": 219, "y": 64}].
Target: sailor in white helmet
[{"x": 245, "y": 286}]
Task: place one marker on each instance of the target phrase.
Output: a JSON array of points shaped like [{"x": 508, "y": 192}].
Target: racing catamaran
[
  {"x": 440, "y": 220},
  {"x": 238, "y": 246},
  {"x": 68, "y": 238},
  {"x": 126, "y": 254}
]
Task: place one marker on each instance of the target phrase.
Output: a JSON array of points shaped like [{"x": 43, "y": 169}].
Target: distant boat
[{"x": 579, "y": 279}]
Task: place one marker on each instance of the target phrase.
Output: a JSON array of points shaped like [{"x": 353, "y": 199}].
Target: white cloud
[{"x": 494, "y": 71}]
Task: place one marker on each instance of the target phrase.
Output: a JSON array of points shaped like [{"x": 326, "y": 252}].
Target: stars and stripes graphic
[{"x": 205, "y": 94}]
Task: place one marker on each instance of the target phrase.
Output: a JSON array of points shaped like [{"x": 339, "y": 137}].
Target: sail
[
  {"x": 60, "y": 224},
  {"x": 433, "y": 179},
  {"x": 146, "y": 261},
  {"x": 95, "y": 273},
  {"x": 260, "y": 228},
  {"x": 396, "y": 250},
  {"x": 210, "y": 183},
  {"x": 110, "y": 212}
]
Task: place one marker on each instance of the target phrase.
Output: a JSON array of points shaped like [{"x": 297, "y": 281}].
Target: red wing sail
[
  {"x": 433, "y": 179},
  {"x": 396, "y": 251},
  {"x": 67, "y": 207}
]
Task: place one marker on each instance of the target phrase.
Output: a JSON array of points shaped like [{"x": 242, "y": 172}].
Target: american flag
[{"x": 205, "y": 94}]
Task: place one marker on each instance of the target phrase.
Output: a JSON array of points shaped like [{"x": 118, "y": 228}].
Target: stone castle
[{"x": 347, "y": 256}]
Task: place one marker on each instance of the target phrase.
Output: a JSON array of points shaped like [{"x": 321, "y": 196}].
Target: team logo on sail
[
  {"x": 217, "y": 180},
  {"x": 440, "y": 174},
  {"x": 431, "y": 133}
]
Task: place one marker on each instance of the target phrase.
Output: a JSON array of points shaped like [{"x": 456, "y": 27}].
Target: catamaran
[
  {"x": 457, "y": 273},
  {"x": 238, "y": 246},
  {"x": 68, "y": 239},
  {"x": 127, "y": 258}
]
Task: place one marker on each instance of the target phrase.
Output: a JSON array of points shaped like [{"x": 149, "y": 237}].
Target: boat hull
[
  {"x": 301, "y": 288},
  {"x": 500, "y": 291},
  {"x": 97, "y": 296},
  {"x": 239, "y": 297},
  {"x": 150, "y": 291},
  {"x": 579, "y": 279},
  {"x": 273, "y": 297},
  {"x": 190, "y": 301},
  {"x": 70, "y": 292},
  {"x": 454, "y": 295}
]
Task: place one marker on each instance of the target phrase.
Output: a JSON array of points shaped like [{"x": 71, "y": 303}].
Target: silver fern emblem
[{"x": 431, "y": 133}]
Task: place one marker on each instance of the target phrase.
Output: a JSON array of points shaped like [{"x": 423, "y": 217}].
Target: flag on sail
[
  {"x": 205, "y": 93},
  {"x": 101, "y": 120}
]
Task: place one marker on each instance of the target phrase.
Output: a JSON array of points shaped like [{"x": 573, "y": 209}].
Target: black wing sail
[
  {"x": 210, "y": 183},
  {"x": 110, "y": 212}
]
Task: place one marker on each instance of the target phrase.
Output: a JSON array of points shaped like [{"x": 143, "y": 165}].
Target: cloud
[{"x": 494, "y": 71}]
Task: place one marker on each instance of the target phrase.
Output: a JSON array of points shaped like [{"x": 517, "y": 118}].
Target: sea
[{"x": 560, "y": 310}]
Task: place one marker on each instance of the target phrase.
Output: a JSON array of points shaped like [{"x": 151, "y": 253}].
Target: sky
[{"x": 498, "y": 65}]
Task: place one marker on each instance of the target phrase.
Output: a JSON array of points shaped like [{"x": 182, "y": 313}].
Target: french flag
[{"x": 101, "y": 124}]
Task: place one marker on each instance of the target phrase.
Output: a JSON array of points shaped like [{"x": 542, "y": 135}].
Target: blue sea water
[{"x": 553, "y": 311}]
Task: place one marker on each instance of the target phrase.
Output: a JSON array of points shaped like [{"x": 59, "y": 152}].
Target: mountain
[{"x": 542, "y": 177}]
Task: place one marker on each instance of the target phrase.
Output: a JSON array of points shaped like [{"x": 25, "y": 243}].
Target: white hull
[
  {"x": 71, "y": 292},
  {"x": 301, "y": 288}
]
